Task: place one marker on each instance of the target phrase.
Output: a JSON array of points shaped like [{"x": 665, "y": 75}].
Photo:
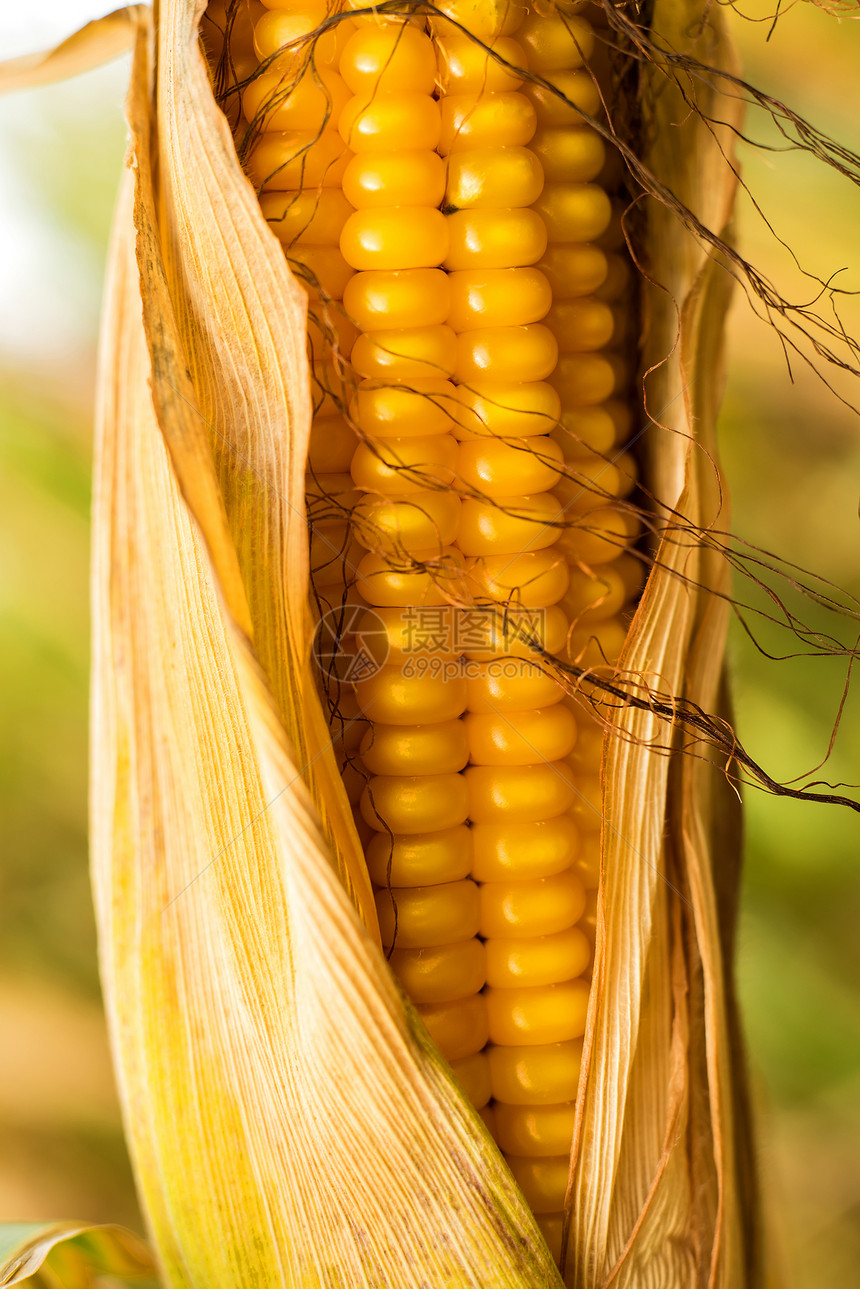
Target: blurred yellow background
[{"x": 792, "y": 454}]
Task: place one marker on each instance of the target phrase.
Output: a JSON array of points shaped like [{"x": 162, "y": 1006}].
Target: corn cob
[
  {"x": 253, "y": 987},
  {"x": 449, "y": 202}
]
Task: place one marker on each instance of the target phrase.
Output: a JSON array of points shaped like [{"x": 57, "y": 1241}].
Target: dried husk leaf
[
  {"x": 96, "y": 43},
  {"x": 656, "y": 1181},
  {"x": 69, "y": 1254},
  {"x": 289, "y": 1120}
]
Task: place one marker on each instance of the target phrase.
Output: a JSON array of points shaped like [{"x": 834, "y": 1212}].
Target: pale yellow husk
[
  {"x": 657, "y": 1188},
  {"x": 289, "y": 1121}
]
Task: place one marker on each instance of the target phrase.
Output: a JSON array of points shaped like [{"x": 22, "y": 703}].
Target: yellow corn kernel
[
  {"x": 569, "y": 156},
  {"x": 589, "y": 744},
  {"x": 332, "y": 560},
  {"x": 493, "y": 177},
  {"x": 535, "y": 1131},
  {"x": 598, "y": 535},
  {"x": 555, "y": 41},
  {"x": 328, "y": 542},
  {"x": 410, "y": 354},
  {"x": 389, "y": 59},
  {"x": 459, "y": 1029},
  {"x": 292, "y": 27},
  {"x": 322, "y": 270},
  {"x": 534, "y": 580},
  {"x": 398, "y": 699},
  {"x": 497, "y": 298},
  {"x": 597, "y": 644},
  {"x": 581, "y": 325},
  {"x": 430, "y": 578},
  {"x": 493, "y": 632},
  {"x": 379, "y": 179},
  {"x": 574, "y": 269},
  {"x": 516, "y": 909},
  {"x": 480, "y": 120},
  {"x": 485, "y": 19},
  {"x": 587, "y": 810},
  {"x": 422, "y": 859},
  {"x": 464, "y": 65},
  {"x": 585, "y": 430},
  {"x": 543, "y": 1182},
  {"x": 526, "y": 793},
  {"x": 316, "y": 218},
  {"x": 540, "y": 1015},
  {"x": 510, "y": 686},
  {"x": 488, "y": 1115},
  {"x": 588, "y": 921},
  {"x": 423, "y": 408},
  {"x": 391, "y": 635},
  {"x": 441, "y": 974},
  {"x": 393, "y": 299},
  {"x": 414, "y": 521},
  {"x": 536, "y": 1075},
  {"x": 587, "y": 862},
  {"x": 329, "y": 331},
  {"x": 419, "y": 917},
  {"x": 442, "y": 748},
  {"x": 551, "y": 1228},
  {"x": 574, "y": 212},
  {"x": 617, "y": 278},
  {"x": 584, "y": 379},
  {"x": 414, "y": 237},
  {"x": 405, "y": 465},
  {"x": 568, "y": 99},
  {"x": 329, "y": 496},
  {"x": 473, "y": 1075},
  {"x": 523, "y": 851},
  {"x": 298, "y": 159},
  {"x": 332, "y": 446},
  {"x": 494, "y": 239},
  {"x": 375, "y": 19},
  {"x": 508, "y": 469},
  {"x": 287, "y": 100},
  {"x": 498, "y": 409},
  {"x": 632, "y": 570},
  {"x": 379, "y": 123},
  {"x": 523, "y": 738},
  {"x": 404, "y": 804},
  {"x": 537, "y": 960},
  {"x": 524, "y": 354},
  {"x": 519, "y": 524},
  {"x": 599, "y": 594}
]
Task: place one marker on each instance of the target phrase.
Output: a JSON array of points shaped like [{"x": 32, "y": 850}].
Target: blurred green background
[{"x": 792, "y": 455}]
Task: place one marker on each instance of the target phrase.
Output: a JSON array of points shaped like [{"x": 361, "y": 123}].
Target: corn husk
[
  {"x": 657, "y": 1182},
  {"x": 290, "y": 1122}
]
